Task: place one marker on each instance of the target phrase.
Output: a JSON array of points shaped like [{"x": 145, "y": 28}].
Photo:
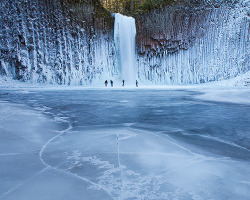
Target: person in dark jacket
[
  {"x": 106, "y": 83},
  {"x": 111, "y": 83}
]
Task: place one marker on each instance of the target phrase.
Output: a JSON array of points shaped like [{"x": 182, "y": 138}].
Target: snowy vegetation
[{"x": 134, "y": 7}]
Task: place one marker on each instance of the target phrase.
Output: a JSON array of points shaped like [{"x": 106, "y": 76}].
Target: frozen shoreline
[
  {"x": 236, "y": 90},
  {"x": 241, "y": 81}
]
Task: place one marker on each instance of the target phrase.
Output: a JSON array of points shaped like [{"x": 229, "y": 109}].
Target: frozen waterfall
[
  {"x": 124, "y": 33},
  {"x": 173, "y": 48}
]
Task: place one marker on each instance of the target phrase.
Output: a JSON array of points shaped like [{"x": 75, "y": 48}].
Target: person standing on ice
[
  {"x": 123, "y": 83},
  {"x": 106, "y": 83},
  {"x": 111, "y": 83},
  {"x": 136, "y": 83}
]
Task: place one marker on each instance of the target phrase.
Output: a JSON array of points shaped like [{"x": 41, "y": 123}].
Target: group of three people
[{"x": 123, "y": 83}]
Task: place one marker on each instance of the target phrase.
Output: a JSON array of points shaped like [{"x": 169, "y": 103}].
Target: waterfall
[
  {"x": 196, "y": 46},
  {"x": 124, "y": 35}
]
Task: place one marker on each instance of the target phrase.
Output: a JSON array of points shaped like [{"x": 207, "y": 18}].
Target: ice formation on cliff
[
  {"x": 45, "y": 42},
  {"x": 220, "y": 50},
  {"x": 49, "y": 41}
]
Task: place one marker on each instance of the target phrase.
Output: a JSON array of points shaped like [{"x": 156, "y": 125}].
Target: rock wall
[
  {"x": 56, "y": 41},
  {"x": 192, "y": 42},
  {"x": 72, "y": 42}
]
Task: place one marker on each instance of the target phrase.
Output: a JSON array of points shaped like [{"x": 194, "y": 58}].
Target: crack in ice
[{"x": 66, "y": 172}]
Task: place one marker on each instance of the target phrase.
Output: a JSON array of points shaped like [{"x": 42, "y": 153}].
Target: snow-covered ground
[
  {"x": 172, "y": 142},
  {"x": 236, "y": 90}
]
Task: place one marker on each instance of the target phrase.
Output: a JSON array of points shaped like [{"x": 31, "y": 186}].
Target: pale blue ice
[{"x": 122, "y": 144}]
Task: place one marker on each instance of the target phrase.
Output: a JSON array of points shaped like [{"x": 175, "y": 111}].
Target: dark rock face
[
  {"x": 171, "y": 28},
  {"x": 72, "y": 42},
  {"x": 176, "y": 27},
  {"x": 193, "y": 42},
  {"x": 55, "y": 41}
]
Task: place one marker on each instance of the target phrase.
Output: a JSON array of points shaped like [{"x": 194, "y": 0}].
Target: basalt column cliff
[
  {"x": 190, "y": 42},
  {"x": 56, "y": 41},
  {"x": 72, "y": 41}
]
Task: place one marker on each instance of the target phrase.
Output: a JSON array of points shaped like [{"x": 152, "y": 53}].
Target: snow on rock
[
  {"x": 63, "y": 42},
  {"x": 72, "y": 43},
  {"x": 188, "y": 45}
]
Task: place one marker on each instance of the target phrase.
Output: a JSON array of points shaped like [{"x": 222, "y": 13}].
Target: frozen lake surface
[{"x": 122, "y": 144}]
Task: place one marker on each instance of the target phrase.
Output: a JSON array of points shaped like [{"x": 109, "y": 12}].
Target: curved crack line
[{"x": 66, "y": 172}]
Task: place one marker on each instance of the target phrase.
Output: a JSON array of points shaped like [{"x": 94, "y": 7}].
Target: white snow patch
[
  {"x": 236, "y": 90},
  {"x": 61, "y": 119},
  {"x": 229, "y": 95}
]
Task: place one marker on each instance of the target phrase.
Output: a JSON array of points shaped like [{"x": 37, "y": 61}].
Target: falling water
[{"x": 124, "y": 34}]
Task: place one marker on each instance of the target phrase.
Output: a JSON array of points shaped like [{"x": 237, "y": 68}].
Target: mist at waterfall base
[
  {"x": 124, "y": 34},
  {"x": 122, "y": 144}
]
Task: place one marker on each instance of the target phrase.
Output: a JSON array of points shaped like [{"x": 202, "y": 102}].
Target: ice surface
[{"x": 122, "y": 144}]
